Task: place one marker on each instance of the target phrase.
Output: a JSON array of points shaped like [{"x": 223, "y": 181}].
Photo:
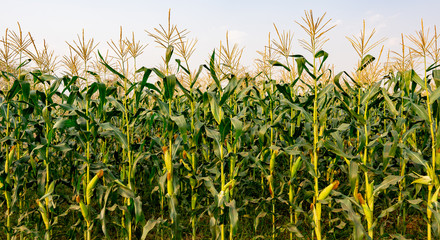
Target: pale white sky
[{"x": 248, "y": 23}]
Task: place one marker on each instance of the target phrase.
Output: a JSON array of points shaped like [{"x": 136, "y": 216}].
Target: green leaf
[
  {"x": 293, "y": 229},
  {"x": 91, "y": 90},
  {"x": 301, "y": 65},
  {"x": 169, "y": 83},
  {"x": 425, "y": 180},
  {"x": 179, "y": 63},
  {"x": 25, "y": 90},
  {"x": 158, "y": 73},
  {"x": 436, "y": 77},
  {"x": 182, "y": 125},
  {"x": 365, "y": 61},
  {"x": 336, "y": 150},
  {"x": 416, "y": 158},
  {"x": 348, "y": 109},
  {"x": 392, "y": 208},
  {"x": 102, "y": 96},
  {"x": 229, "y": 90},
  {"x": 152, "y": 87},
  {"x": 233, "y": 215},
  {"x": 214, "y": 135},
  {"x": 148, "y": 227},
  {"x": 421, "y": 111},
  {"x": 49, "y": 191},
  {"x": 359, "y": 231},
  {"x": 343, "y": 127},
  {"x": 285, "y": 90},
  {"x": 297, "y": 107},
  {"x": 110, "y": 68},
  {"x": 371, "y": 92},
  {"x": 328, "y": 88},
  {"x": 434, "y": 95},
  {"x": 262, "y": 214},
  {"x": 225, "y": 128},
  {"x": 95, "y": 75},
  {"x": 388, "y": 180},
  {"x": 324, "y": 55},
  {"x": 112, "y": 130},
  {"x": 389, "y": 103},
  {"x": 13, "y": 90},
  {"x": 62, "y": 147},
  {"x": 24, "y": 63},
  {"x": 278, "y": 64},
  {"x": 194, "y": 80},
  {"x": 64, "y": 123},
  {"x": 411, "y": 76},
  {"x": 139, "y": 215},
  {"x": 353, "y": 174},
  {"x": 212, "y": 71},
  {"x": 184, "y": 90},
  {"x": 210, "y": 186},
  {"x": 216, "y": 110},
  {"x": 389, "y": 151},
  {"x": 238, "y": 128}
]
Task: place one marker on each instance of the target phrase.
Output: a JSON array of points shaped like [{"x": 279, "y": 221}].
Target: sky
[{"x": 248, "y": 23}]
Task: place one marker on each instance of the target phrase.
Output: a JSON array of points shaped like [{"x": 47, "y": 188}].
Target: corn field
[{"x": 93, "y": 146}]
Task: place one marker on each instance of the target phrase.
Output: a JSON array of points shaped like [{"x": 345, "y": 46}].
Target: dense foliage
[{"x": 241, "y": 158}]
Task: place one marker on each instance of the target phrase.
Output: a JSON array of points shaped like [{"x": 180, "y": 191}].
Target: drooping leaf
[
  {"x": 411, "y": 76},
  {"x": 387, "y": 181},
  {"x": 365, "y": 61},
  {"x": 389, "y": 103},
  {"x": 278, "y": 64},
  {"x": 421, "y": 111}
]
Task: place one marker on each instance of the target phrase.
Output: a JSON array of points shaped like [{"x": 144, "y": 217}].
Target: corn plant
[{"x": 116, "y": 150}]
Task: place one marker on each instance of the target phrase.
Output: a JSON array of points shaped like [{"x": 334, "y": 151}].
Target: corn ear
[
  {"x": 272, "y": 161},
  {"x": 92, "y": 184},
  {"x": 367, "y": 210},
  {"x": 84, "y": 210},
  {"x": 46, "y": 114},
  {"x": 369, "y": 193},
  {"x": 167, "y": 159},
  {"x": 170, "y": 186},
  {"x": 295, "y": 167},
  {"x": 9, "y": 159},
  {"x": 193, "y": 201},
  {"x": 43, "y": 212},
  {"x": 327, "y": 190},
  {"x": 228, "y": 185}
]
